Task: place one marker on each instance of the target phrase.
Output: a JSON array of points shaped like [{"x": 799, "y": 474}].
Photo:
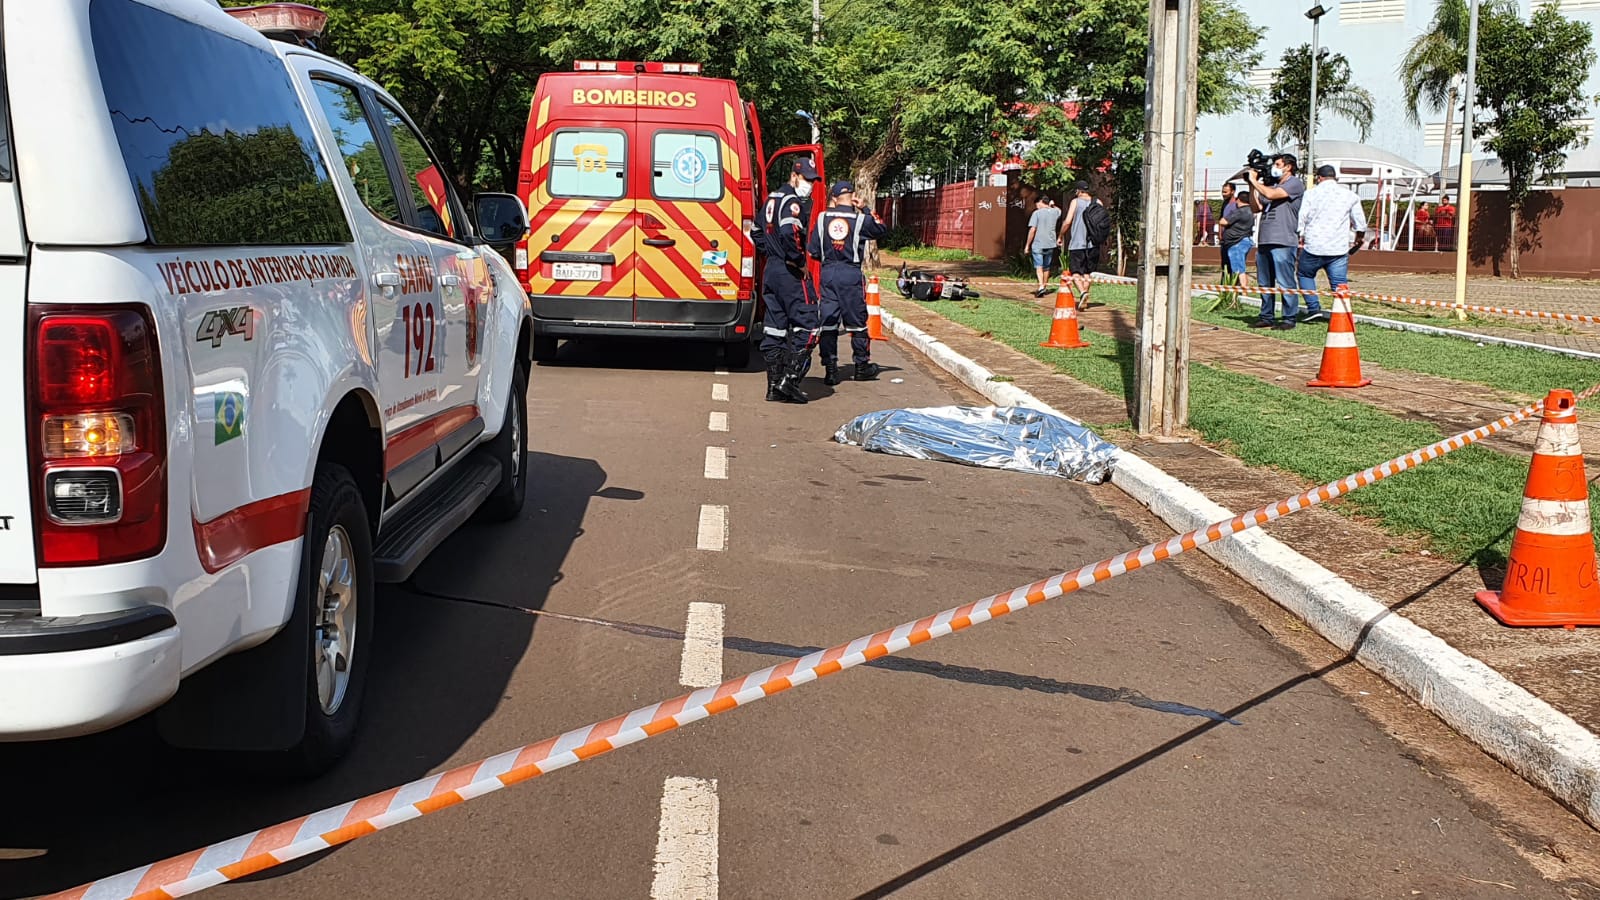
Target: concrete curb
[{"x": 1530, "y": 736}]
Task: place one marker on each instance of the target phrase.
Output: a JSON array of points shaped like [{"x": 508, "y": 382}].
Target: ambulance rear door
[
  {"x": 691, "y": 247},
  {"x": 581, "y": 253}
]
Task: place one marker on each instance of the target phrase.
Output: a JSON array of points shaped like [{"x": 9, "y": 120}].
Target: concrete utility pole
[
  {"x": 1464, "y": 211},
  {"x": 1162, "y": 382}
]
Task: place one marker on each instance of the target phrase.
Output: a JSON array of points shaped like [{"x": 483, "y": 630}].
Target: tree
[
  {"x": 930, "y": 84},
  {"x": 1530, "y": 83},
  {"x": 1436, "y": 62},
  {"x": 1289, "y": 100}
]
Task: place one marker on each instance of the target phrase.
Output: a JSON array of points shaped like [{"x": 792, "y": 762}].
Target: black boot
[
  {"x": 867, "y": 371},
  {"x": 831, "y": 376},
  {"x": 788, "y": 386},
  {"x": 774, "y": 373}
]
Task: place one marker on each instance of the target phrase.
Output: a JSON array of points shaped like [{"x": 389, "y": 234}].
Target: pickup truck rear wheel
[
  {"x": 510, "y": 447},
  {"x": 336, "y": 587}
]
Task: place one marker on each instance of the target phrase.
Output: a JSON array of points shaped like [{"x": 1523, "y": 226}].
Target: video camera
[{"x": 1262, "y": 165}]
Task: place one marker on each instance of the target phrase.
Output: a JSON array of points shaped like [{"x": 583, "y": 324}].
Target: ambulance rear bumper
[{"x": 709, "y": 320}]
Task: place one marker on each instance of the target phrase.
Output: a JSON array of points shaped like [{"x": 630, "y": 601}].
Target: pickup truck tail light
[{"x": 98, "y": 434}]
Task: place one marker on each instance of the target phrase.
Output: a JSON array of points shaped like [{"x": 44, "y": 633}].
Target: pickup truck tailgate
[{"x": 17, "y": 558}]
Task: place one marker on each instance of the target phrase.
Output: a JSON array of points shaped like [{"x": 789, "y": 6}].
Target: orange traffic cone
[
  {"x": 874, "y": 311},
  {"x": 1341, "y": 361},
  {"x": 1064, "y": 321},
  {"x": 1550, "y": 579}
]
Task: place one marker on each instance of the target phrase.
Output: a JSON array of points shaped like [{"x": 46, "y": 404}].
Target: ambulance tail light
[
  {"x": 98, "y": 435},
  {"x": 747, "y": 266}
]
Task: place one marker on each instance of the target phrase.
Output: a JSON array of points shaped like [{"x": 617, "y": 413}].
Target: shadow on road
[
  {"x": 646, "y": 353},
  {"x": 103, "y": 804},
  {"x": 979, "y": 841}
]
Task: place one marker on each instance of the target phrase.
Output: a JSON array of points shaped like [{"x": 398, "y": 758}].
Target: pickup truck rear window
[{"x": 213, "y": 135}]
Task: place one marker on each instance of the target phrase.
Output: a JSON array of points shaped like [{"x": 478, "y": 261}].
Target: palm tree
[
  {"x": 1436, "y": 62},
  {"x": 1289, "y": 98}
]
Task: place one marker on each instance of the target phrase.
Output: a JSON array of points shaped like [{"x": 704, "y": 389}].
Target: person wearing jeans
[
  {"x": 1278, "y": 239},
  {"x": 1329, "y": 214}
]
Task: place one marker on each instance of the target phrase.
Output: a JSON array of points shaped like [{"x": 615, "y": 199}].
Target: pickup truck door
[
  {"x": 464, "y": 284},
  {"x": 406, "y": 324}
]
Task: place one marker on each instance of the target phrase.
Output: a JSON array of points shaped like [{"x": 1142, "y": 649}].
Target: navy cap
[
  {"x": 806, "y": 170},
  {"x": 842, "y": 187}
]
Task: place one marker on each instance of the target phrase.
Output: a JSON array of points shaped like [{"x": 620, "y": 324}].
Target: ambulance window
[
  {"x": 688, "y": 166},
  {"x": 589, "y": 164},
  {"x": 217, "y": 146},
  {"x": 358, "y": 147},
  {"x": 430, "y": 196}
]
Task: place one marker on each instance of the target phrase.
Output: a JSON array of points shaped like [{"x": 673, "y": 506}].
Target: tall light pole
[
  {"x": 1315, "y": 14},
  {"x": 816, "y": 132},
  {"x": 1464, "y": 213}
]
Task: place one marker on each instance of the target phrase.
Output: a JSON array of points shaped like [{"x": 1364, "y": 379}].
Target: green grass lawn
[
  {"x": 1529, "y": 372},
  {"x": 934, "y": 254},
  {"x": 1465, "y": 503}
]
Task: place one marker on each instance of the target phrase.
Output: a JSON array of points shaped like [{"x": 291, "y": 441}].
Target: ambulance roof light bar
[
  {"x": 292, "y": 23},
  {"x": 652, "y": 68}
]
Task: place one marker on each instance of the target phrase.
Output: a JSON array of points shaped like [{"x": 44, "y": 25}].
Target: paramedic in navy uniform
[
  {"x": 839, "y": 240},
  {"x": 792, "y": 317}
]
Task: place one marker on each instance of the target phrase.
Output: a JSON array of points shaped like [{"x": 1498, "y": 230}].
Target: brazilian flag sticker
[{"x": 229, "y": 416}]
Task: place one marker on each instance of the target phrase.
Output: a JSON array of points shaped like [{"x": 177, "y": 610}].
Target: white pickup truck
[{"x": 260, "y": 356}]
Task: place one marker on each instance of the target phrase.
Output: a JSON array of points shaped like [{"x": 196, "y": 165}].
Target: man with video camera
[{"x": 1275, "y": 195}]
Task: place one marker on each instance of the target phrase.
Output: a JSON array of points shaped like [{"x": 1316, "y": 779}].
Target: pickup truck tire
[
  {"x": 510, "y": 447},
  {"x": 336, "y": 587},
  {"x": 737, "y": 354}
]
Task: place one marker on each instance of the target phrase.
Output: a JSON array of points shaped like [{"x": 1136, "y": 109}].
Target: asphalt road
[{"x": 1145, "y": 738}]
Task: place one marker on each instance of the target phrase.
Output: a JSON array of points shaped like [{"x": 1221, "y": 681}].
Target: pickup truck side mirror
[{"x": 502, "y": 219}]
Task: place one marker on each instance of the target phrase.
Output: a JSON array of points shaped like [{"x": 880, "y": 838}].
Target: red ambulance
[{"x": 641, "y": 181}]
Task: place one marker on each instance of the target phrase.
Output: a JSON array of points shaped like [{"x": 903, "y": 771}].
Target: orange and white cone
[
  {"x": 874, "y": 311},
  {"x": 1550, "y": 578},
  {"x": 1064, "y": 321},
  {"x": 1341, "y": 360}
]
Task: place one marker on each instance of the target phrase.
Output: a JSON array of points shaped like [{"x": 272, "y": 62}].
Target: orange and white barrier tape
[
  {"x": 262, "y": 849},
  {"x": 1395, "y": 298}
]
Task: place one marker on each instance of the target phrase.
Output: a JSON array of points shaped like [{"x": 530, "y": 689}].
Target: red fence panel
[{"x": 941, "y": 217}]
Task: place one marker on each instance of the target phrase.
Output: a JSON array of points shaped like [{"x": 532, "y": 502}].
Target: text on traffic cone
[
  {"x": 1550, "y": 577},
  {"x": 1341, "y": 361}
]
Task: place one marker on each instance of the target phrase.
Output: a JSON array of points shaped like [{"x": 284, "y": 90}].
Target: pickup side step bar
[{"x": 444, "y": 507}]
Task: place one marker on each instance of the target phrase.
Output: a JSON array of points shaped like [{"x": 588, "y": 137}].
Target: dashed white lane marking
[
  {"x": 719, "y": 392},
  {"x": 702, "y": 646},
  {"x": 718, "y": 421},
  {"x": 717, "y": 463},
  {"x": 713, "y": 528},
  {"x": 686, "y": 841},
  {"x": 720, "y": 372}
]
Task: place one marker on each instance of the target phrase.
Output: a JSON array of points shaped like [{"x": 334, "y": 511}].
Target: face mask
[
  {"x": 1277, "y": 171},
  {"x": 803, "y": 188}
]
